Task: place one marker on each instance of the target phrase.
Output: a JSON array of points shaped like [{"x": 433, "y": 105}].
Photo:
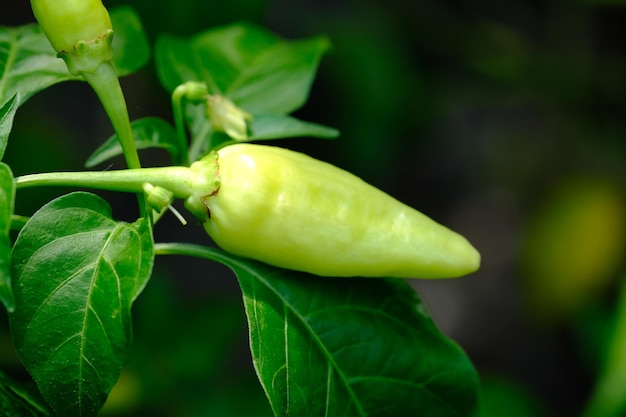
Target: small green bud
[
  {"x": 194, "y": 91},
  {"x": 157, "y": 197},
  {"x": 227, "y": 117}
]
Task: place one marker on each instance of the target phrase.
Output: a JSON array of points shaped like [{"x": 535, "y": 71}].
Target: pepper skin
[
  {"x": 65, "y": 22},
  {"x": 289, "y": 210}
]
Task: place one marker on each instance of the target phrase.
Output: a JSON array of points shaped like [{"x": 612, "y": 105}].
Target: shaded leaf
[
  {"x": 76, "y": 272},
  {"x": 149, "y": 132},
  {"x": 346, "y": 347},
  {"x": 7, "y": 113},
  {"x": 29, "y": 64},
  {"x": 7, "y": 201},
  {"x": 17, "y": 401},
  {"x": 130, "y": 42},
  {"x": 269, "y": 126}
]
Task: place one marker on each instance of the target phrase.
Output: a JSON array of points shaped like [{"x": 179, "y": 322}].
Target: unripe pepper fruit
[
  {"x": 292, "y": 211},
  {"x": 65, "y": 22}
]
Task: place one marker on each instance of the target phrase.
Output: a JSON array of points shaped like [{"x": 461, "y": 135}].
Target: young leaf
[
  {"x": 256, "y": 70},
  {"x": 260, "y": 73},
  {"x": 76, "y": 272},
  {"x": 28, "y": 63},
  {"x": 7, "y": 113},
  {"x": 149, "y": 132},
  {"x": 346, "y": 347},
  {"x": 270, "y": 126},
  {"x": 215, "y": 56},
  {"x": 7, "y": 200},
  {"x": 17, "y": 401}
]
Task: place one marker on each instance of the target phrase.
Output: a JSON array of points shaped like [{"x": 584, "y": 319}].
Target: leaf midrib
[{"x": 310, "y": 330}]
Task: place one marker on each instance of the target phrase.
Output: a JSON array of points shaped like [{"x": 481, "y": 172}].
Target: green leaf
[
  {"x": 7, "y": 113},
  {"x": 258, "y": 71},
  {"x": 270, "y": 126},
  {"x": 17, "y": 401},
  {"x": 130, "y": 42},
  {"x": 149, "y": 132},
  {"x": 262, "y": 74},
  {"x": 346, "y": 347},
  {"x": 7, "y": 201},
  {"x": 28, "y": 64},
  {"x": 76, "y": 272},
  {"x": 351, "y": 348}
]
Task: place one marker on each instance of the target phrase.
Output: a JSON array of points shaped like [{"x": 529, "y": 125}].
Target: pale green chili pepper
[{"x": 292, "y": 211}]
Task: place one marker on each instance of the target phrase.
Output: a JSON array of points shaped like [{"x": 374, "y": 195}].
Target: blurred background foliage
[{"x": 504, "y": 120}]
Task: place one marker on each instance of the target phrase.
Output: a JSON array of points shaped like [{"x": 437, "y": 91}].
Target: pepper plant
[{"x": 299, "y": 234}]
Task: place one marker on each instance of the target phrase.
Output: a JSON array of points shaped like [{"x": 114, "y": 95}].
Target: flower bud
[{"x": 227, "y": 117}]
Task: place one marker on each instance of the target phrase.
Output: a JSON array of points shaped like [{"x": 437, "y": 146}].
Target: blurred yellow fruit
[{"x": 574, "y": 247}]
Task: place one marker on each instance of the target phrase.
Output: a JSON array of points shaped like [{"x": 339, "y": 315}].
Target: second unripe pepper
[{"x": 66, "y": 22}]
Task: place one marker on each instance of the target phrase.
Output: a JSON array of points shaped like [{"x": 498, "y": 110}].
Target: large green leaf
[
  {"x": 255, "y": 69},
  {"x": 28, "y": 63},
  {"x": 76, "y": 272},
  {"x": 149, "y": 132},
  {"x": 7, "y": 114},
  {"x": 18, "y": 401},
  {"x": 7, "y": 200},
  {"x": 346, "y": 347}
]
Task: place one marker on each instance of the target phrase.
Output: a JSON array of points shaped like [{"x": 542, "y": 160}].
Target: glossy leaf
[
  {"x": 17, "y": 401},
  {"x": 7, "y": 200},
  {"x": 346, "y": 347},
  {"x": 76, "y": 272},
  {"x": 28, "y": 63},
  {"x": 7, "y": 114},
  {"x": 149, "y": 132},
  {"x": 255, "y": 69}
]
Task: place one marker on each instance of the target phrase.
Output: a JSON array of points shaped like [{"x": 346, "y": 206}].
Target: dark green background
[{"x": 474, "y": 112}]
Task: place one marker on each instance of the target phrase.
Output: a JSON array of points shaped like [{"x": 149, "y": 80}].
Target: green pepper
[
  {"x": 292, "y": 211},
  {"x": 66, "y": 22}
]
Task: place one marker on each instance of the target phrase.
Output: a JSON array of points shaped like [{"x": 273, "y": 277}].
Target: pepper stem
[
  {"x": 174, "y": 179},
  {"x": 107, "y": 87},
  {"x": 192, "y": 183}
]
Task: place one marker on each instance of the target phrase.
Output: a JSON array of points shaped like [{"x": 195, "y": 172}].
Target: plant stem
[
  {"x": 107, "y": 86},
  {"x": 179, "y": 122},
  {"x": 17, "y": 222},
  {"x": 174, "y": 179},
  {"x": 190, "y": 249},
  {"x": 609, "y": 396}
]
